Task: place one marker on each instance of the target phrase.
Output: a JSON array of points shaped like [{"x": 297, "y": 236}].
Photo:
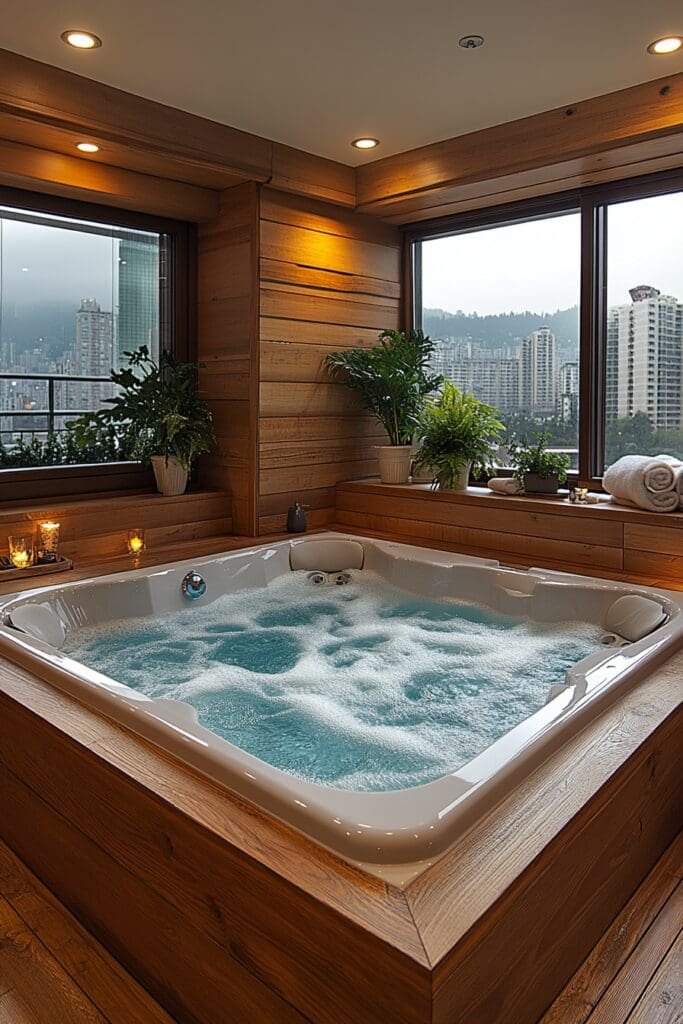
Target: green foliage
[
  {"x": 105, "y": 444},
  {"x": 159, "y": 402},
  {"x": 456, "y": 429},
  {"x": 392, "y": 379},
  {"x": 534, "y": 457}
]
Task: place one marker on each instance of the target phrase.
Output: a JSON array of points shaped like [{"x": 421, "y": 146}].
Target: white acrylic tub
[{"x": 393, "y": 834}]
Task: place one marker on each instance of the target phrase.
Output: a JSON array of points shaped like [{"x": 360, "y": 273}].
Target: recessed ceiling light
[
  {"x": 471, "y": 42},
  {"x": 80, "y": 39},
  {"x": 668, "y": 44},
  {"x": 365, "y": 143},
  {"x": 88, "y": 147}
]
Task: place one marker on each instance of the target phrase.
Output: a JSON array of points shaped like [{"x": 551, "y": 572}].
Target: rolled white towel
[
  {"x": 677, "y": 467},
  {"x": 504, "y": 485},
  {"x": 626, "y": 482},
  {"x": 661, "y": 475}
]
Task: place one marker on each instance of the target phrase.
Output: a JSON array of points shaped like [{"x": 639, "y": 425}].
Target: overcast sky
[
  {"x": 51, "y": 263},
  {"x": 535, "y": 266}
]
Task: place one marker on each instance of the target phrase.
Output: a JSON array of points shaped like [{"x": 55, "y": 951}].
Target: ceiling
[{"x": 316, "y": 74}]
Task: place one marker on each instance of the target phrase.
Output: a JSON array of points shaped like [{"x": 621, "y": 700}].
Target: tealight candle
[
  {"x": 21, "y": 550},
  {"x": 49, "y": 542},
  {"x": 581, "y": 494},
  {"x": 136, "y": 542}
]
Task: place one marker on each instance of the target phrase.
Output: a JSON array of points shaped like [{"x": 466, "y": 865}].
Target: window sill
[
  {"x": 58, "y": 482},
  {"x": 552, "y": 504}
]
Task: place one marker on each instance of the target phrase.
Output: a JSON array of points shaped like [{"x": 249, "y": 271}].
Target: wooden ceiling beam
[
  {"x": 51, "y": 109},
  {"x": 620, "y": 134}
]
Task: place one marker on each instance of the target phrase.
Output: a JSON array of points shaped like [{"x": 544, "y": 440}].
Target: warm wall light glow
[
  {"x": 365, "y": 143},
  {"x": 669, "y": 44},
  {"x": 88, "y": 147},
  {"x": 80, "y": 39}
]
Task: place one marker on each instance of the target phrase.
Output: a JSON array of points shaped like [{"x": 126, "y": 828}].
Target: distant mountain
[{"x": 502, "y": 329}]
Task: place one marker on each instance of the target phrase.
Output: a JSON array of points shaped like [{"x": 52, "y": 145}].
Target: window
[
  {"x": 77, "y": 291},
  {"x": 566, "y": 314},
  {"x": 643, "y": 398},
  {"x": 501, "y": 304}
]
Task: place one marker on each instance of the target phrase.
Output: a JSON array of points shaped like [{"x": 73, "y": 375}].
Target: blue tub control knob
[{"x": 193, "y": 585}]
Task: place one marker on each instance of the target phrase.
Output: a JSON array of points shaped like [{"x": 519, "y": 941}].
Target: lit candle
[
  {"x": 21, "y": 551},
  {"x": 136, "y": 541},
  {"x": 49, "y": 542}
]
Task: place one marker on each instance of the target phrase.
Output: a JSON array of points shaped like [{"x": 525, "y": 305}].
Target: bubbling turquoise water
[{"x": 361, "y": 687}]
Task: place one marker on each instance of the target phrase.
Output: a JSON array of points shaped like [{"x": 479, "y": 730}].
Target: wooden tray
[{"x": 35, "y": 570}]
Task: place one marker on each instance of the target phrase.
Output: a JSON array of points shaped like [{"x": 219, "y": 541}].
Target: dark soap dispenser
[{"x": 296, "y": 518}]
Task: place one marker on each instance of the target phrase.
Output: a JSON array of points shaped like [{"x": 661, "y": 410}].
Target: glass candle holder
[
  {"x": 581, "y": 495},
  {"x": 21, "y": 550},
  {"x": 136, "y": 542},
  {"x": 48, "y": 548}
]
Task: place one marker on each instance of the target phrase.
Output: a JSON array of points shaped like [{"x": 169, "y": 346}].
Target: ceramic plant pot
[
  {"x": 394, "y": 463},
  {"x": 461, "y": 483},
  {"x": 535, "y": 484},
  {"x": 170, "y": 476}
]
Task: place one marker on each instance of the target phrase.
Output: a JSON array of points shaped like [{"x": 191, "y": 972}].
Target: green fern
[{"x": 456, "y": 429}]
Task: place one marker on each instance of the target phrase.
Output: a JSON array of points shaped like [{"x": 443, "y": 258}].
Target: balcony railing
[{"x": 52, "y": 413}]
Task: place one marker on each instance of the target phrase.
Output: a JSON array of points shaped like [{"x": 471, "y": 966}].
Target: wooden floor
[
  {"x": 53, "y": 972},
  {"x": 635, "y": 972}
]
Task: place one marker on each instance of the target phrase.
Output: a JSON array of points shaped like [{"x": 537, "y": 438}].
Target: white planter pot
[
  {"x": 462, "y": 481},
  {"x": 423, "y": 476},
  {"x": 170, "y": 476},
  {"x": 394, "y": 463}
]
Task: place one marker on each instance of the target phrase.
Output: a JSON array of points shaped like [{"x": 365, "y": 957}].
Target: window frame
[
  {"x": 591, "y": 202},
  {"x": 177, "y": 333}
]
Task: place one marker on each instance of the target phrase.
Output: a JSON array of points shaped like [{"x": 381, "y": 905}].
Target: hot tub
[{"x": 376, "y": 696}]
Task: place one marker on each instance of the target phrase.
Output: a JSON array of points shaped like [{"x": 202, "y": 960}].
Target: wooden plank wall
[
  {"x": 227, "y": 347},
  {"x": 329, "y": 279},
  {"x": 604, "y": 537},
  {"x": 96, "y": 526}
]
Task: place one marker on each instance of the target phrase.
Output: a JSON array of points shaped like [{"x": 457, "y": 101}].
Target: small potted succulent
[
  {"x": 456, "y": 432},
  {"x": 536, "y": 469},
  {"x": 160, "y": 403},
  {"x": 393, "y": 380}
]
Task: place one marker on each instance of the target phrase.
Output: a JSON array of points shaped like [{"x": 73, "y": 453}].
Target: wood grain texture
[
  {"x": 329, "y": 280},
  {"x": 75, "y": 957},
  {"x": 643, "y": 121},
  {"x": 51, "y": 109},
  {"x": 41, "y": 170},
  {"x": 620, "y": 941},
  {"x": 96, "y": 527},
  {"x": 546, "y": 530},
  {"x": 662, "y": 1001},
  {"x": 227, "y": 344},
  {"x": 625, "y": 992}
]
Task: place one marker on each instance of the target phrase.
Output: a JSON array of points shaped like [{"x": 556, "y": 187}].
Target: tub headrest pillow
[
  {"x": 634, "y": 616},
  {"x": 331, "y": 555},
  {"x": 40, "y": 622}
]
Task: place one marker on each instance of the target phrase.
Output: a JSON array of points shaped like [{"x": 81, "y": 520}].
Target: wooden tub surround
[{"x": 223, "y": 913}]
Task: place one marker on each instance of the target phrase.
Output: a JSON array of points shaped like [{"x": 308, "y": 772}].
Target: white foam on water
[{"x": 360, "y": 687}]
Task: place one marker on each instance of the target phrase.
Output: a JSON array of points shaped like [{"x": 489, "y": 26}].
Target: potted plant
[
  {"x": 457, "y": 431},
  {"x": 393, "y": 380},
  {"x": 536, "y": 469},
  {"x": 160, "y": 404}
]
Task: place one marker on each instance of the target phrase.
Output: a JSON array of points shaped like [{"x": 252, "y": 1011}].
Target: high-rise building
[
  {"x": 537, "y": 373},
  {"x": 94, "y": 351},
  {"x": 494, "y": 381},
  {"x": 568, "y": 391},
  {"x": 645, "y": 358},
  {"x": 138, "y": 289}
]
